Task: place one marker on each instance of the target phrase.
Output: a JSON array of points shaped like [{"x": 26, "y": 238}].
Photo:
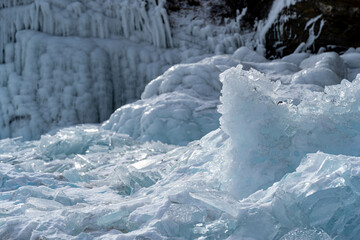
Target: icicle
[
  {"x": 264, "y": 26},
  {"x": 147, "y": 21},
  {"x": 311, "y": 25}
]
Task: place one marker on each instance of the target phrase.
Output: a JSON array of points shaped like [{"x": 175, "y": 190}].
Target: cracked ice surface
[{"x": 284, "y": 163}]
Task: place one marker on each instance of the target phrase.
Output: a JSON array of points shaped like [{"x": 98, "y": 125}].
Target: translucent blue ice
[{"x": 283, "y": 163}]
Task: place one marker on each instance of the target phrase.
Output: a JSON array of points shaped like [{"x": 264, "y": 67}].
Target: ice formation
[
  {"x": 263, "y": 26},
  {"x": 70, "y": 62},
  {"x": 283, "y": 162},
  {"x": 192, "y": 92}
]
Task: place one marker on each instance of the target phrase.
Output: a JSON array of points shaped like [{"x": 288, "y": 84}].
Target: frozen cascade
[
  {"x": 70, "y": 62},
  {"x": 146, "y": 21},
  {"x": 75, "y": 80},
  {"x": 69, "y": 70}
]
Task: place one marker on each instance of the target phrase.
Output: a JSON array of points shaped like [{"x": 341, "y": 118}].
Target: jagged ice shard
[{"x": 230, "y": 146}]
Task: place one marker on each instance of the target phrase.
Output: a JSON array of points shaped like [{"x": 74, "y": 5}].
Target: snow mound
[{"x": 190, "y": 118}]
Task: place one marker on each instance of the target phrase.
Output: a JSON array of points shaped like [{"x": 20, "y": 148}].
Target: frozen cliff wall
[
  {"x": 55, "y": 81},
  {"x": 69, "y": 62},
  {"x": 145, "y": 20},
  {"x": 284, "y": 26}
]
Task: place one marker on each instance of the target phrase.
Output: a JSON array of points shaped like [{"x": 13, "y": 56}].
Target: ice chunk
[
  {"x": 317, "y": 76},
  {"x": 330, "y": 60},
  {"x": 306, "y": 234},
  {"x": 269, "y": 136},
  {"x": 247, "y": 55},
  {"x": 191, "y": 91},
  {"x": 352, "y": 61},
  {"x": 43, "y": 204}
]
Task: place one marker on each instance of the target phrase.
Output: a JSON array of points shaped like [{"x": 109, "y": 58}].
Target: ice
[
  {"x": 75, "y": 81},
  {"x": 273, "y": 134},
  {"x": 310, "y": 26},
  {"x": 322, "y": 70},
  {"x": 246, "y": 55},
  {"x": 310, "y": 234},
  {"x": 330, "y": 60},
  {"x": 317, "y": 76},
  {"x": 282, "y": 163},
  {"x": 71, "y": 62},
  {"x": 263, "y": 26},
  {"x": 88, "y": 182},
  {"x": 352, "y": 61},
  {"x": 146, "y": 22},
  {"x": 190, "y": 90}
]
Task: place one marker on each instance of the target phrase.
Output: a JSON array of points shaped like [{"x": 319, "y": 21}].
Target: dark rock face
[
  {"x": 341, "y": 26},
  {"x": 176, "y": 5},
  {"x": 256, "y": 9},
  {"x": 339, "y": 22},
  {"x": 216, "y": 10}
]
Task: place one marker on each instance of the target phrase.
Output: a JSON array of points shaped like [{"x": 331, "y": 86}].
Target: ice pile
[
  {"x": 284, "y": 163},
  {"x": 192, "y": 93}
]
